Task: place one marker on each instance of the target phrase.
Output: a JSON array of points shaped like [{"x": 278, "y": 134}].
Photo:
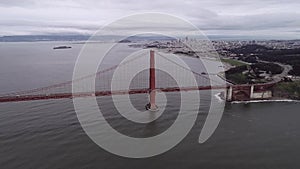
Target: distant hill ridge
[{"x": 35, "y": 38}]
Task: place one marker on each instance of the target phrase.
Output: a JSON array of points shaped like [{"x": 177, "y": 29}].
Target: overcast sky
[{"x": 254, "y": 18}]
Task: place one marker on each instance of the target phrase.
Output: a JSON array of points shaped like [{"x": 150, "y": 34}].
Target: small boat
[{"x": 62, "y": 47}]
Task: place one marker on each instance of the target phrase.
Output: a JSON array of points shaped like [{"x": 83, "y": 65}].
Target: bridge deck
[{"x": 101, "y": 93}]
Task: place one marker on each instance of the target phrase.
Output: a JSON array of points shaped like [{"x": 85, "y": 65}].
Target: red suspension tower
[{"x": 152, "y": 93}]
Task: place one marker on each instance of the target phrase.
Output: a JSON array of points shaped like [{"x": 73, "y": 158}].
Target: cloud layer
[{"x": 253, "y": 18}]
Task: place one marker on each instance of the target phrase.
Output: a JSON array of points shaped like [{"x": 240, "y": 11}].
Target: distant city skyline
[{"x": 254, "y": 19}]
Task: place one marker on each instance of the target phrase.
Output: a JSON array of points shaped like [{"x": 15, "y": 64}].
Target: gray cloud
[{"x": 217, "y": 17}]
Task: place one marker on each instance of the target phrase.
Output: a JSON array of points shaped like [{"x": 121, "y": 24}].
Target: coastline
[
  {"x": 275, "y": 99},
  {"x": 265, "y": 101}
]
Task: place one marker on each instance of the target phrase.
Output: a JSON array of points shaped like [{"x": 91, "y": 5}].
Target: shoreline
[
  {"x": 265, "y": 101},
  {"x": 219, "y": 98}
]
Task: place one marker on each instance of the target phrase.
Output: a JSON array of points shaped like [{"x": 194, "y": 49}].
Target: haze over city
[{"x": 255, "y": 19}]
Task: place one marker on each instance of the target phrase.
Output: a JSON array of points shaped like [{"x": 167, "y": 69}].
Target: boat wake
[{"x": 218, "y": 96}]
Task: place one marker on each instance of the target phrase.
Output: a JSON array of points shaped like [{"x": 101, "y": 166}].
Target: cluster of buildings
[
  {"x": 273, "y": 44},
  {"x": 220, "y": 45}
]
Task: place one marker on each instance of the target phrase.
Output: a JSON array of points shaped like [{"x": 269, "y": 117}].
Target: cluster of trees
[
  {"x": 238, "y": 69},
  {"x": 286, "y": 56},
  {"x": 288, "y": 90},
  {"x": 270, "y": 68},
  {"x": 250, "y": 59},
  {"x": 248, "y": 49},
  {"x": 238, "y": 78},
  {"x": 251, "y": 72}
]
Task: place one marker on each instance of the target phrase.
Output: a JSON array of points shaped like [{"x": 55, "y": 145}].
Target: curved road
[{"x": 284, "y": 73}]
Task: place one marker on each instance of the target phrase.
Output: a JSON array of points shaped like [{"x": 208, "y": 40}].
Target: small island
[
  {"x": 125, "y": 41},
  {"x": 62, "y": 47}
]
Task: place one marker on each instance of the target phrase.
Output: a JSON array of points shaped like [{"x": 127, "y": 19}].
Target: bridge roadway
[{"x": 102, "y": 93}]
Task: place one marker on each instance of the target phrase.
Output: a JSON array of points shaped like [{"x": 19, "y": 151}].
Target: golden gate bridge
[{"x": 150, "y": 81}]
